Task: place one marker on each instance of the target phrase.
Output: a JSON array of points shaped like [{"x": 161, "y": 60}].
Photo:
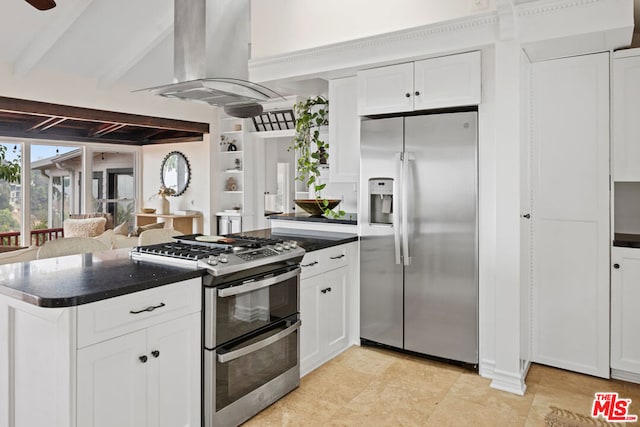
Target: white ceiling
[{"x": 114, "y": 42}]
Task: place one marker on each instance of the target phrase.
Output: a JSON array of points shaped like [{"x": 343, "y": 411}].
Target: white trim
[
  {"x": 310, "y": 228},
  {"x": 487, "y": 368},
  {"x": 509, "y": 382},
  {"x": 633, "y": 377}
]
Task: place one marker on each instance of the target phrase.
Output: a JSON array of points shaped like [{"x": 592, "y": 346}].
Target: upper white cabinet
[
  {"x": 625, "y": 112},
  {"x": 570, "y": 213},
  {"x": 344, "y": 130},
  {"x": 448, "y": 81},
  {"x": 625, "y": 316}
]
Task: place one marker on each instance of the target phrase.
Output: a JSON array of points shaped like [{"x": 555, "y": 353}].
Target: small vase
[{"x": 163, "y": 207}]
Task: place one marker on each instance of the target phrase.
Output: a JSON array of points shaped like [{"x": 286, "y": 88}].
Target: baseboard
[
  {"x": 487, "y": 368},
  {"x": 625, "y": 376},
  {"x": 509, "y": 382}
]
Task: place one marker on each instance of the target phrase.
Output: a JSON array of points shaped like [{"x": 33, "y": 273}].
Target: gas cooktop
[{"x": 218, "y": 254}]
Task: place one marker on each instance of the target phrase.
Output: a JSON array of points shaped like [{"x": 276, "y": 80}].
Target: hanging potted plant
[{"x": 312, "y": 151}]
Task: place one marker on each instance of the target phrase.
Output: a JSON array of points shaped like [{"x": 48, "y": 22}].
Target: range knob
[
  {"x": 213, "y": 260},
  {"x": 278, "y": 247},
  {"x": 286, "y": 246},
  {"x": 293, "y": 244},
  {"x": 223, "y": 258}
]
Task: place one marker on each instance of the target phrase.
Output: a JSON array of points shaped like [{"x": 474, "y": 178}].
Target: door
[
  {"x": 174, "y": 353},
  {"x": 570, "y": 213},
  {"x": 385, "y": 89},
  {"x": 626, "y": 126},
  {"x": 381, "y": 287},
  {"x": 441, "y": 280},
  {"x": 112, "y": 375},
  {"x": 334, "y": 308}
]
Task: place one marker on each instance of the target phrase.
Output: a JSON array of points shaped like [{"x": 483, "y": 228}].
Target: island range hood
[{"x": 211, "y": 53}]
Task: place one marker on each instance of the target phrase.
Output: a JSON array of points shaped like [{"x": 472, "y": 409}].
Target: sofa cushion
[
  {"x": 147, "y": 227},
  {"x": 89, "y": 227},
  {"x": 19, "y": 255},
  {"x": 122, "y": 229},
  {"x": 108, "y": 225}
]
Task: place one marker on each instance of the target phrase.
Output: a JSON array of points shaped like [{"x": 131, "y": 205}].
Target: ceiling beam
[
  {"x": 36, "y": 108},
  {"x": 148, "y": 38},
  {"x": 67, "y": 13}
]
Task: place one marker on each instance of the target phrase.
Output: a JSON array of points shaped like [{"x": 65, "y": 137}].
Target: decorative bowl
[
  {"x": 148, "y": 210},
  {"x": 314, "y": 207}
]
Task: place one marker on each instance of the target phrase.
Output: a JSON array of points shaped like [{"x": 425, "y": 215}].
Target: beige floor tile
[
  {"x": 376, "y": 387},
  {"x": 457, "y": 412}
]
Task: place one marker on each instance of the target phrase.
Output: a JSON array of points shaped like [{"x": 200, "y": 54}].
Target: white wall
[
  {"x": 279, "y": 26},
  {"x": 61, "y": 89}
]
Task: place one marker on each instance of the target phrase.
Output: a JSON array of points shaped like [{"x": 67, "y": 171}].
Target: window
[{"x": 56, "y": 188}]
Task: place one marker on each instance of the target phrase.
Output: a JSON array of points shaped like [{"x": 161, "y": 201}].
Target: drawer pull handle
[
  {"x": 311, "y": 264},
  {"x": 337, "y": 256},
  {"x": 150, "y": 308}
]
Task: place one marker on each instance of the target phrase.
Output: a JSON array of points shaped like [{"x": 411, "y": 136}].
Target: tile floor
[{"x": 366, "y": 386}]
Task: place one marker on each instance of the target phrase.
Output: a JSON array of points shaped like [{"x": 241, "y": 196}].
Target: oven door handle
[
  {"x": 258, "y": 284},
  {"x": 252, "y": 348}
]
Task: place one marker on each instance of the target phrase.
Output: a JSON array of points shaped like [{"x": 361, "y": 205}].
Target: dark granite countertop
[
  {"x": 348, "y": 219},
  {"x": 309, "y": 242},
  {"x": 80, "y": 279},
  {"x": 626, "y": 240}
]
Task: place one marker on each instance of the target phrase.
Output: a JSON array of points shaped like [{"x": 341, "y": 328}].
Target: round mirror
[{"x": 175, "y": 172}]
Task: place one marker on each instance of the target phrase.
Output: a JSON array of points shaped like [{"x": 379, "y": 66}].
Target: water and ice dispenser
[{"x": 381, "y": 200}]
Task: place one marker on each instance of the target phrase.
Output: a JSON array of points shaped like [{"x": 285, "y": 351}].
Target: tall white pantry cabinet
[
  {"x": 570, "y": 213},
  {"x": 107, "y": 363}
]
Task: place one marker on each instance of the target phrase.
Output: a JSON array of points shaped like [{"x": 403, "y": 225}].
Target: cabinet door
[
  {"x": 111, "y": 383},
  {"x": 625, "y": 316},
  {"x": 174, "y": 353},
  {"x": 310, "y": 345},
  {"x": 449, "y": 81},
  {"x": 385, "y": 89},
  {"x": 570, "y": 213},
  {"x": 333, "y": 311},
  {"x": 344, "y": 130},
  {"x": 625, "y": 112}
]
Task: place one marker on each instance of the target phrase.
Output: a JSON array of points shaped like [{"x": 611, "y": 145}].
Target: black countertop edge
[
  {"x": 308, "y": 242},
  {"x": 624, "y": 240},
  {"x": 348, "y": 219},
  {"x": 81, "y": 279}
]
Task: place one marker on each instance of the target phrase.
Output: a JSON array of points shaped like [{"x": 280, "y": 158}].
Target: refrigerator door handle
[
  {"x": 397, "y": 191},
  {"x": 407, "y": 158}
]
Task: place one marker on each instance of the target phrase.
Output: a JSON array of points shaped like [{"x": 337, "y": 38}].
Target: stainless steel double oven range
[{"x": 251, "y": 320}]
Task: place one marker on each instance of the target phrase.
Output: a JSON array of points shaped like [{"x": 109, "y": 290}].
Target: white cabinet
[
  {"x": 325, "y": 294},
  {"x": 151, "y": 376},
  {"x": 570, "y": 213},
  {"x": 99, "y": 364},
  {"x": 625, "y": 316},
  {"x": 625, "y": 112},
  {"x": 344, "y": 130},
  {"x": 448, "y": 81}
]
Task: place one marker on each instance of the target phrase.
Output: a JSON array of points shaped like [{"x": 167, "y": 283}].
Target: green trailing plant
[
  {"x": 311, "y": 149},
  {"x": 9, "y": 169}
]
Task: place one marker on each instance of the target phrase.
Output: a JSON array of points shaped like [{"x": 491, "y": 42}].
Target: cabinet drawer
[
  {"x": 323, "y": 260},
  {"x": 113, "y": 317}
]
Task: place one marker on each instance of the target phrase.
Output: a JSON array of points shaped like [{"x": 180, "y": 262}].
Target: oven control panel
[{"x": 256, "y": 254}]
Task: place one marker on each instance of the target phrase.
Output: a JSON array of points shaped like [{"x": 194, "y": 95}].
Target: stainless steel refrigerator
[{"x": 419, "y": 234}]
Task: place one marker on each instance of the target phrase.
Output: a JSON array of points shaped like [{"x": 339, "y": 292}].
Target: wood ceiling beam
[
  {"x": 68, "y": 12},
  {"x": 36, "y": 108},
  {"x": 149, "y": 36}
]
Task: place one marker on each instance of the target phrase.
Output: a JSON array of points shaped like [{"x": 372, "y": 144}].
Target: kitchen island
[{"x": 88, "y": 340}]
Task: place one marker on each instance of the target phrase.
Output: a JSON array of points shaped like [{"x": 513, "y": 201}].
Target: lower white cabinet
[
  {"x": 132, "y": 360},
  {"x": 145, "y": 378},
  {"x": 328, "y": 280},
  {"x": 625, "y": 316},
  {"x": 323, "y": 312}
]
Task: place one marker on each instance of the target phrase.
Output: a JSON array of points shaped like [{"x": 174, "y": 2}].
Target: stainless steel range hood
[{"x": 211, "y": 53}]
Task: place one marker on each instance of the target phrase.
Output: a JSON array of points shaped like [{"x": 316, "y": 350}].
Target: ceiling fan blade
[{"x": 42, "y": 4}]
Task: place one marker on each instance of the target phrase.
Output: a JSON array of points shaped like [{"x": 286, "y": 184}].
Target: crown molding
[{"x": 551, "y": 28}]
